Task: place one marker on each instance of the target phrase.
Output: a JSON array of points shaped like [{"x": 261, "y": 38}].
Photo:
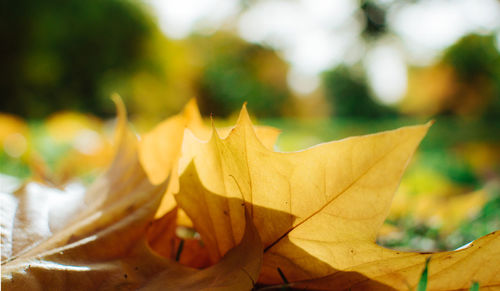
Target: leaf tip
[
  {"x": 214, "y": 134},
  {"x": 244, "y": 117},
  {"x": 120, "y": 106},
  {"x": 121, "y": 112},
  {"x": 191, "y": 110},
  {"x": 192, "y": 103}
]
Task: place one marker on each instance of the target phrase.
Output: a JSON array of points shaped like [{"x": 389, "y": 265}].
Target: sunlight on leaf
[
  {"x": 304, "y": 220},
  {"x": 317, "y": 211},
  {"x": 158, "y": 151}
]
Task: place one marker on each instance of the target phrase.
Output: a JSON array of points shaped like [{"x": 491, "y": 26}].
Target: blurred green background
[{"x": 319, "y": 71}]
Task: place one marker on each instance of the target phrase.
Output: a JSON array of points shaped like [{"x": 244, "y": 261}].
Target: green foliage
[
  {"x": 350, "y": 96},
  {"x": 487, "y": 221},
  {"x": 474, "y": 286},
  {"x": 59, "y": 54},
  {"x": 422, "y": 284},
  {"x": 231, "y": 78},
  {"x": 424, "y": 237},
  {"x": 417, "y": 236},
  {"x": 13, "y": 167},
  {"x": 474, "y": 56},
  {"x": 476, "y": 61},
  {"x": 451, "y": 165}
]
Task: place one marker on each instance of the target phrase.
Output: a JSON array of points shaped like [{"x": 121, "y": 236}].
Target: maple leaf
[
  {"x": 161, "y": 150},
  {"x": 101, "y": 240},
  {"x": 309, "y": 218},
  {"x": 318, "y": 211}
]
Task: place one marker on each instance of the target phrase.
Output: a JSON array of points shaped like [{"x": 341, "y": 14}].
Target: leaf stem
[
  {"x": 179, "y": 251},
  {"x": 282, "y": 276}
]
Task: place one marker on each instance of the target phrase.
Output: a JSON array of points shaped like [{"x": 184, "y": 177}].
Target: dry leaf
[
  {"x": 238, "y": 270},
  {"x": 308, "y": 217},
  {"x": 455, "y": 270},
  {"x": 102, "y": 244},
  {"x": 159, "y": 149},
  {"x": 317, "y": 211},
  {"x": 106, "y": 224},
  {"x": 162, "y": 238}
]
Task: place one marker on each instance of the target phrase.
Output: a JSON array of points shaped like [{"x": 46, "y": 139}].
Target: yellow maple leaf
[
  {"x": 317, "y": 211},
  {"x": 99, "y": 239},
  {"x": 161, "y": 150},
  {"x": 309, "y": 218}
]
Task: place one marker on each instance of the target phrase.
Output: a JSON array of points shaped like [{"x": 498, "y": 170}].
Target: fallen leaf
[
  {"x": 162, "y": 238},
  {"x": 159, "y": 149},
  {"x": 317, "y": 211},
  {"x": 105, "y": 224},
  {"x": 239, "y": 269},
  {"x": 306, "y": 219},
  {"x": 100, "y": 242},
  {"x": 455, "y": 270}
]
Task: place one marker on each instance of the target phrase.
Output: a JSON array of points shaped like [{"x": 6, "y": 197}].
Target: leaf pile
[{"x": 305, "y": 220}]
